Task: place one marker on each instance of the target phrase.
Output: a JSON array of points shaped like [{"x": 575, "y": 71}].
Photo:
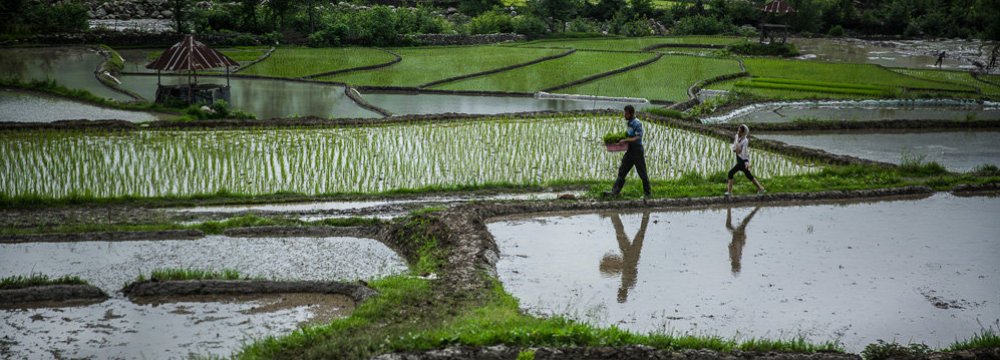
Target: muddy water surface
[
  {"x": 25, "y": 107},
  {"x": 72, "y": 67},
  {"x": 866, "y": 110},
  {"x": 109, "y": 265},
  {"x": 909, "y": 270},
  {"x": 960, "y": 54},
  {"x": 170, "y": 329},
  {"x": 957, "y": 151}
]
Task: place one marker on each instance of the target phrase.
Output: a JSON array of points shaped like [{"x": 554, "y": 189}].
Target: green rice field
[
  {"x": 667, "y": 79},
  {"x": 840, "y": 73},
  {"x": 960, "y": 78},
  {"x": 425, "y": 65},
  {"x": 345, "y": 160},
  {"x": 631, "y": 44},
  {"x": 299, "y": 62},
  {"x": 549, "y": 73}
]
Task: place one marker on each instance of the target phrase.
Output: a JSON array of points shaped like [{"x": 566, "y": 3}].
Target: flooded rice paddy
[
  {"x": 72, "y": 67},
  {"x": 957, "y": 151},
  {"x": 365, "y": 159},
  {"x": 849, "y": 272},
  {"x": 960, "y": 54},
  {"x": 175, "y": 327},
  {"x": 27, "y": 107},
  {"x": 406, "y": 104},
  {"x": 110, "y": 265},
  {"x": 864, "y": 110}
]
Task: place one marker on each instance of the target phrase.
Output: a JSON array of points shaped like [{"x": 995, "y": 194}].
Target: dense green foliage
[
  {"x": 20, "y": 282},
  {"x": 758, "y": 49},
  {"x": 613, "y": 137},
  {"x": 26, "y": 16}
]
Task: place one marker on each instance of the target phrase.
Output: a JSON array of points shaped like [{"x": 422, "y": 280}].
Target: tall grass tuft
[
  {"x": 191, "y": 274},
  {"x": 987, "y": 338},
  {"x": 20, "y": 282}
]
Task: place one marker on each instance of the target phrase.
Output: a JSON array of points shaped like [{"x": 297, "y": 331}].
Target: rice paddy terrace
[{"x": 400, "y": 201}]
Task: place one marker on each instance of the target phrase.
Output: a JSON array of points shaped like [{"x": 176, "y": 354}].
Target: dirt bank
[
  {"x": 596, "y": 353},
  {"x": 356, "y": 291},
  {"x": 51, "y": 295},
  {"x": 104, "y": 236}
]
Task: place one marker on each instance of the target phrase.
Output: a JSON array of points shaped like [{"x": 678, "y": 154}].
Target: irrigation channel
[
  {"x": 850, "y": 272},
  {"x": 176, "y": 326}
]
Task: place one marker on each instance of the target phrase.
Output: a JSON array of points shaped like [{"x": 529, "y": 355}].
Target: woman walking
[{"x": 741, "y": 146}]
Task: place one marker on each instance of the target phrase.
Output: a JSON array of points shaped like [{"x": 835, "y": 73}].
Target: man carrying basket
[{"x": 634, "y": 156}]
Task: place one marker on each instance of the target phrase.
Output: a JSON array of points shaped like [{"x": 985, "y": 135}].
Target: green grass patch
[
  {"x": 425, "y": 65},
  {"x": 20, "y": 282},
  {"x": 959, "y": 78},
  {"x": 115, "y": 63},
  {"x": 52, "y": 87},
  {"x": 667, "y": 79},
  {"x": 815, "y": 86},
  {"x": 550, "y": 73},
  {"x": 189, "y": 274},
  {"x": 987, "y": 338},
  {"x": 294, "y": 62},
  {"x": 241, "y": 54},
  {"x": 632, "y": 44}
]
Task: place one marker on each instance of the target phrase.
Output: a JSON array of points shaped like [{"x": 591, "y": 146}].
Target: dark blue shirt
[{"x": 635, "y": 130}]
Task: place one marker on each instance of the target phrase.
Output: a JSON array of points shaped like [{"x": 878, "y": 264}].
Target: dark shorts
[{"x": 741, "y": 165}]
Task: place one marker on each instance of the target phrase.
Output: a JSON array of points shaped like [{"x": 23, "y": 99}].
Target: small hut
[
  {"x": 778, "y": 10},
  {"x": 187, "y": 57}
]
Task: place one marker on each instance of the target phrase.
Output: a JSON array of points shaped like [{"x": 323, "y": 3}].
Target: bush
[
  {"x": 476, "y": 7},
  {"x": 490, "y": 22},
  {"x": 583, "y": 26},
  {"x": 758, "y": 49},
  {"x": 34, "y": 17},
  {"x": 702, "y": 25},
  {"x": 529, "y": 26},
  {"x": 836, "y": 31}
]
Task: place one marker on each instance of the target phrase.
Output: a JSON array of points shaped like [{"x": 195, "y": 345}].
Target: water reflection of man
[
  {"x": 739, "y": 238},
  {"x": 628, "y": 263}
]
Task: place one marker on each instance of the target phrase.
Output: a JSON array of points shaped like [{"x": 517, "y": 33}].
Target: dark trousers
[
  {"x": 634, "y": 156},
  {"x": 741, "y": 165}
]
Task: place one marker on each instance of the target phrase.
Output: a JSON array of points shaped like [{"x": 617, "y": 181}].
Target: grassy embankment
[{"x": 20, "y": 281}]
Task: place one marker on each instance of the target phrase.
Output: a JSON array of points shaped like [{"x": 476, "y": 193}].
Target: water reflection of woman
[
  {"x": 628, "y": 263},
  {"x": 739, "y": 238}
]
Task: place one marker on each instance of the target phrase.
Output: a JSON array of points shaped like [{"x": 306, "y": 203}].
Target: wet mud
[
  {"x": 501, "y": 352},
  {"x": 144, "y": 290},
  {"x": 765, "y": 271},
  {"x": 55, "y": 295}
]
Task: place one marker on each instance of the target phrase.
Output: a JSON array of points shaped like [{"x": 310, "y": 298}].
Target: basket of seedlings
[{"x": 611, "y": 141}]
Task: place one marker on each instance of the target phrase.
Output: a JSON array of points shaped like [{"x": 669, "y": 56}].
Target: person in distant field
[
  {"x": 741, "y": 146},
  {"x": 940, "y": 59},
  {"x": 634, "y": 156},
  {"x": 739, "y": 239}
]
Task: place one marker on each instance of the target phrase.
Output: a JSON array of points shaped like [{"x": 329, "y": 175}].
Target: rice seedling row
[
  {"x": 666, "y": 79},
  {"x": 424, "y": 65},
  {"x": 338, "y": 160},
  {"x": 299, "y": 62},
  {"x": 955, "y": 77},
  {"x": 550, "y": 73},
  {"x": 839, "y": 73}
]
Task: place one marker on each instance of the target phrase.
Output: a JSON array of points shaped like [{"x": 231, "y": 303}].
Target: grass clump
[
  {"x": 527, "y": 354},
  {"x": 20, "y": 281},
  {"x": 988, "y": 338},
  {"x": 191, "y": 274}
]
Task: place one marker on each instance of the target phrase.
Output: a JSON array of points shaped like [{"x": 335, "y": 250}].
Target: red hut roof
[
  {"x": 778, "y": 7},
  {"x": 190, "y": 54}
]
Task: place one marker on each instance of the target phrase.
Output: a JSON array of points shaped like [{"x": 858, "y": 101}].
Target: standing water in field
[
  {"x": 72, "y": 67},
  {"x": 406, "y": 104},
  {"x": 898, "y": 53},
  {"x": 30, "y": 107},
  {"x": 910, "y": 270},
  {"x": 268, "y": 98},
  {"x": 173, "y": 327},
  {"x": 861, "y": 110},
  {"x": 956, "y": 151}
]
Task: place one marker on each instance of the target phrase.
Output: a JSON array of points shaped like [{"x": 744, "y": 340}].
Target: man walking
[{"x": 634, "y": 156}]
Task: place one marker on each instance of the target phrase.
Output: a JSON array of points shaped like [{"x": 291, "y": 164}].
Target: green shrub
[
  {"x": 490, "y": 22},
  {"x": 758, "y": 49},
  {"x": 836, "y": 31},
  {"x": 702, "y": 25},
  {"x": 20, "y": 282},
  {"x": 529, "y": 26},
  {"x": 883, "y": 350},
  {"x": 614, "y": 137},
  {"x": 27, "y": 17}
]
